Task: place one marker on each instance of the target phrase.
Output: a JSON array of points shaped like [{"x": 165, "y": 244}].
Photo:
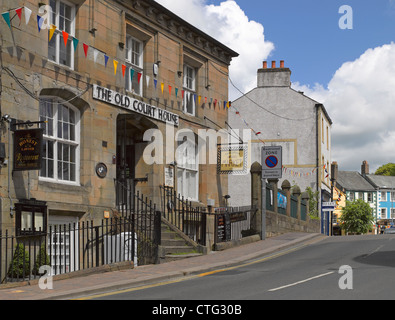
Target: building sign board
[
  {"x": 328, "y": 206},
  {"x": 126, "y": 102},
  {"x": 272, "y": 162},
  {"x": 28, "y": 148},
  {"x": 232, "y": 159}
]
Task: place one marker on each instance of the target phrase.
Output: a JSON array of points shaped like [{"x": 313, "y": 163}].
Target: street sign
[
  {"x": 328, "y": 206},
  {"x": 272, "y": 162}
]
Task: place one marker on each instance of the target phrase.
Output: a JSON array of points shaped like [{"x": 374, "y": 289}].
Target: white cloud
[
  {"x": 360, "y": 99},
  {"x": 228, "y": 24}
]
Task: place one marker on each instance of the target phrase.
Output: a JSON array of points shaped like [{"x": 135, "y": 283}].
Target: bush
[
  {"x": 42, "y": 259},
  {"x": 20, "y": 265}
]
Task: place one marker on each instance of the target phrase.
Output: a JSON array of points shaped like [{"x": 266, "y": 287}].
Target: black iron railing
[{"x": 182, "y": 213}]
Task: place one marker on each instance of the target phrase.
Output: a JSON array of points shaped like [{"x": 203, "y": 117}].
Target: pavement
[{"x": 114, "y": 278}]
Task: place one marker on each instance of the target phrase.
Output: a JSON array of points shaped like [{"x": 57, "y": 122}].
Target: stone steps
[{"x": 173, "y": 247}]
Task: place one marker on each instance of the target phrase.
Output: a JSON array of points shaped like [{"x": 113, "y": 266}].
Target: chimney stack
[
  {"x": 364, "y": 168},
  {"x": 274, "y": 77}
]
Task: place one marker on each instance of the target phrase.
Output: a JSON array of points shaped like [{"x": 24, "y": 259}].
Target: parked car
[{"x": 390, "y": 230}]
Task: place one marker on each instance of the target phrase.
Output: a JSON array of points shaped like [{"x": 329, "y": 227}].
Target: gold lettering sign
[
  {"x": 28, "y": 149},
  {"x": 232, "y": 159}
]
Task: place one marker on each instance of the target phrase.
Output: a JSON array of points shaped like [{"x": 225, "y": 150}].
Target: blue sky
[
  {"x": 352, "y": 72},
  {"x": 307, "y": 36}
]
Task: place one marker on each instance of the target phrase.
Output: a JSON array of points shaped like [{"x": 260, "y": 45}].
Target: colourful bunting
[
  {"x": 131, "y": 74},
  {"x": 28, "y": 13},
  {"x": 6, "y": 16},
  {"x": 75, "y": 43},
  {"x": 19, "y": 13},
  {"x": 65, "y": 37},
  {"x": 123, "y": 70},
  {"x": 170, "y": 90},
  {"x": 106, "y": 57},
  {"x": 155, "y": 83},
  {"x": 176, "y": 92},
  {"x": 86, "y": 47},
  {"x": 40, "y": 21},
  {"x": 162, "y": 85},
  {"x": 139, "y": 74},
  {"x": 52, "y": 29},
  {"x": 115, "y": 66}
]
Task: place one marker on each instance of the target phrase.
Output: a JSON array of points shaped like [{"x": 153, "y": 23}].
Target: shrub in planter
[
  {"x": 42, "y": 259},
  {"x": 20, "y": 265}
]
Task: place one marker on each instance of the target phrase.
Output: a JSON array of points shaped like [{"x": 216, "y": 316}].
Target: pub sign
[{"x": 28, "y": 149}]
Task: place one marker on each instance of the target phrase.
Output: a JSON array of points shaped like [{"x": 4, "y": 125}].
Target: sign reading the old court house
[
  {"x": 28, "y": 145},
  {"x": 120, "y": 100}
]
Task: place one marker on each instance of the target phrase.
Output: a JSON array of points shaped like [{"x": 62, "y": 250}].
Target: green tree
[
  {"x": 357, "y": 217},
  {"x": 386, "y": 170},
  {"x": 42, "y": 259},
  {"x": 313, "y": 202}
]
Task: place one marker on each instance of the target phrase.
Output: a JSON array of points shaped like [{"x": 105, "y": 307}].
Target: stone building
[
  {"x": 278, "y": 115},
  {"x": 108, "y": 82}
]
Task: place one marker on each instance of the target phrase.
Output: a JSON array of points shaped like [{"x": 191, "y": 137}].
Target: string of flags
[
  {"x": 132, "y": 73},
  {"x": 86, "y": 48}
]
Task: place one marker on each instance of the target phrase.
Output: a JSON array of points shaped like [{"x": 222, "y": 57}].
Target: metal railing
[
  {"x": 181, "y": 213},
  {"x": 234, "y": 223}
]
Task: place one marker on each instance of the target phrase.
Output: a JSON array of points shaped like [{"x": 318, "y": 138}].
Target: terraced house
[{"x": 86, "y": 86}]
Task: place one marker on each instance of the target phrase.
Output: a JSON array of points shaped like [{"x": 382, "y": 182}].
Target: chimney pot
[
  {"x": 282, "y": 64},
  {"x": 264, "y": 64},
  {"x": 273, "y": 64}
]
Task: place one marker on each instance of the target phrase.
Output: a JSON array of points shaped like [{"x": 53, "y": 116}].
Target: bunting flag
[
  {"x": 52, "y": 29},
  {"x": 28, "y": 13},
  {"x": 95, "y": 54},
  {"x": 40, "y": 21},
  {"x": 115, "y": 66},
  {"x": 6, "y": 16},
  {"x": 75, "y": 43},
  {"x": 19, "y": 13},
  {"x": 86, "y": 47},
  {"x": 131, "y": 74},
  {"x": 65, "y": 37}
]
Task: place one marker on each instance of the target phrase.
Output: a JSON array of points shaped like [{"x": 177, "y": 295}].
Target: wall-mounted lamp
[{"x": 6, "y": 118}]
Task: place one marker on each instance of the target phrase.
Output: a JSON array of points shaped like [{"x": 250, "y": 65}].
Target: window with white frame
[
  {"x": 383, "y": 213},
  {"x": 392, "y": 213},
  {"x": 392, "y": 196},
  {"x": 383, "y": 195},
  {"x": 60, "y": 161},
  {"x": 135, "y": 64},
  {"x": 189, "y": 89},
  {"x": 63, "y": 17},
  {"x": 187, "y": 170}
]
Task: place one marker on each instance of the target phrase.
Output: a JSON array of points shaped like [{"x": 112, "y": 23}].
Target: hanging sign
[
  {"x": 232, "y": 159},
  {"x": 124, "y": 101},
  {"x": 28, "y": 147}
]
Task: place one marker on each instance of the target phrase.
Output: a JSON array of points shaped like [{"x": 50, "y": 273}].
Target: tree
[
  {"x": 357, "y": 217},
  {"x": 386, "y": 170}
]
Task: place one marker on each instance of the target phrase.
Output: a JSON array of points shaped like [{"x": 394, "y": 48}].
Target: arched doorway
[{"x": 129, "y": 157}]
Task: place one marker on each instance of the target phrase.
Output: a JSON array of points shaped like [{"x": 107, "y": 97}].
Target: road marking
[
  {"x": 302, "y": 281},
  {"x": 268, "y": 257}
]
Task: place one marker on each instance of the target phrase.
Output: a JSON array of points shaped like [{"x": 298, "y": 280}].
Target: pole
[{"x": 263, "y": 206}]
